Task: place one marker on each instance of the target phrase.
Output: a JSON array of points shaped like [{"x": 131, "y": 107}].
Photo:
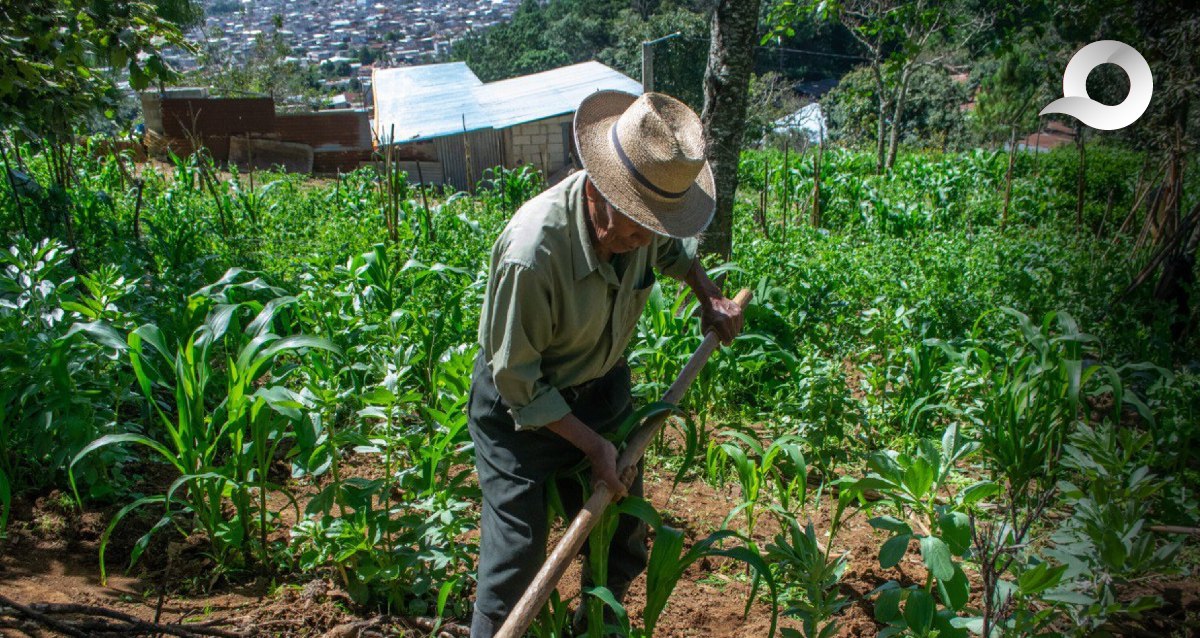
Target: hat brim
[{"x": 679, "y": 217}]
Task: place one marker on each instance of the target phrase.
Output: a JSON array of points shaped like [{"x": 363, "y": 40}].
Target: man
[{"x": 569, "y": 277}]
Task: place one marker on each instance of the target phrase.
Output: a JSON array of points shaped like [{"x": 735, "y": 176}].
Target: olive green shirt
[{"x": 554, "y": 315}]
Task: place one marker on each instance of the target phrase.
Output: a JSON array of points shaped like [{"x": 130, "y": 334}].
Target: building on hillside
[
  {"x": 458, "y": 127},
  {"x": 1049, "y": 136},
  {"x": 807, "y": 122},
  {"x": 248, "y": 132}
]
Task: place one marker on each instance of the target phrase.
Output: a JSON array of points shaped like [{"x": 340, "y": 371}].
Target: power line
[{"x": 828, "y": 55}]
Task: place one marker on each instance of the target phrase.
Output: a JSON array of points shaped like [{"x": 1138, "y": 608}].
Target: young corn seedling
[
  {"x": 666, "y": 567},
  {"x": 801, "y": 563},
  {"x": 780, "y": 468}
]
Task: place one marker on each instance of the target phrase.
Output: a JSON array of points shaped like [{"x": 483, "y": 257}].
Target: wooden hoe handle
[{"x": 556, "y": 564}]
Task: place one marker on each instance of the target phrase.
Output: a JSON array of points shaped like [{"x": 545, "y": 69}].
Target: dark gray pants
[{"x": 514, "y": 467}]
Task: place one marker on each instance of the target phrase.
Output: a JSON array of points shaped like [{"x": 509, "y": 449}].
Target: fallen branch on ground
[
  {"x": 1175, "y": 529},
  {"x": 124, "y": 624}
]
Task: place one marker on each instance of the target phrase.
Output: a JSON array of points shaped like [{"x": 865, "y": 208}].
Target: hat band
[{"x": 638, "y": 174}]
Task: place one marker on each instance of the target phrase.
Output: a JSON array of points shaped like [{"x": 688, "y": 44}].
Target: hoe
[{"x": 552, "y": 570}]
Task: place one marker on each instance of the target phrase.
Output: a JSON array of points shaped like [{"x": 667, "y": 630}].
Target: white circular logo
[{"x": 1076, "y": 102}]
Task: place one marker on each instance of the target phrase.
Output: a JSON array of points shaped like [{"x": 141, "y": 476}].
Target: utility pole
[{"x": 648, "y": 61}]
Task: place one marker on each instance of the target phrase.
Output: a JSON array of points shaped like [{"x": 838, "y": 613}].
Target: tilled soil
[{"x": 51, "y": 557}]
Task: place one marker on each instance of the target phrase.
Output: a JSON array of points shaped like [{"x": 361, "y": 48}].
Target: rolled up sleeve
[
  {"x": 517, "y": 330},
  {"x": 675, "y": 256}
]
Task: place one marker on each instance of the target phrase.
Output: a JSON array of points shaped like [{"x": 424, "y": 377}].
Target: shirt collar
[{"x": 584, "y": 258}]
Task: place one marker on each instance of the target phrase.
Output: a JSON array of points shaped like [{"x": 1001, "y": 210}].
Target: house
[
  {"x": 1051, "y": 135},
  {"x": 458, "y": 127},
  {"x": 249, "y": 132},
  {"x": 808, "y": 121}
]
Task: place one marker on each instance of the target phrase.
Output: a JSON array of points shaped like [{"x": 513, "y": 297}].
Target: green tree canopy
[{"x": 62, "y": 58}]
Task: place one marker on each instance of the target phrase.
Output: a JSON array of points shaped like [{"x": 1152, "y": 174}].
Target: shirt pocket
[{"x": 637, "y": 301}]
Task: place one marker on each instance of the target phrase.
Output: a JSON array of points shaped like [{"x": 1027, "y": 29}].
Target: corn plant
[
  {"x": 223, "y": 453},
  {"x": 512, "y": 186},
  {"x": 553, "y": 621},
  {"x": 668, "y": 562},
  {"x": 663, "y": 341},
  {"x": 777, "y": 470},
  {"x": 802, "y": 564},
  {"x": 1035, "y": 392}
]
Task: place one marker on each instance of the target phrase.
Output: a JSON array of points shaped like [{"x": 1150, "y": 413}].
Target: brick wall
[{"x": 538, "y": 143}]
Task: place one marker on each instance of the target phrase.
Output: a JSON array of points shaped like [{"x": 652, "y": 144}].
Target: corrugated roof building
[{"x": 522, "y": 120}]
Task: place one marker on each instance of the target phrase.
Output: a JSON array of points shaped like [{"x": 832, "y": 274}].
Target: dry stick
[
  {"x": 429, "y": 624},
  {"x": 787, "y": 196},
  {"x": 815, "y": 217},
  {"x": 1081, "y": 180},
  {"x": 15, "y": 626},
  {"x": 12, "y": 184},
  {"x": 162, "y": 590},
  {"x": 135, "y": 624},
  {"x": 762, "y": 195},
  {"x": 470, "y": 172},
  {"x": 1107, "y": 212},
  {"x": 1008, "y": 176},
  {"x": 552, "y": 570},
  {"x": 137, "y": 210},
  {"x": 1185, "y": 228},
  {"x": 430, "y": 234},
  {"x": 391, "y": 217},
  {"x": 1137, "y": 189},
  {"x": 1151, "y": 215},
  {"x": 1142, "y": 193},
  {"x": 1166, "y": 199},
  {"x": 1175, "y": 529},
  {"x": 423, "y": 623},
  {"x": 41, "y": 618}
]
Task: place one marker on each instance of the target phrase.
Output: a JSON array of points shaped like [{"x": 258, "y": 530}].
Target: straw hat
[{"x": 646, "y": 156}]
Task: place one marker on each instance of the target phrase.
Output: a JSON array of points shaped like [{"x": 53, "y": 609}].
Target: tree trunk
[
  {"x": 897, "y": 116},
  {"x": 880, "y": 136},
  {"x": 730, "y": 60},
  {"x": 1012, "y": 158},
  {"x": 1178, "y": 275}
]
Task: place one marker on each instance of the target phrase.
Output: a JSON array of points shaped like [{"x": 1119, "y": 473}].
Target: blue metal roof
[
  {"x": 534, "y": 97},
  {"x": 434, "y": 100},
  {"x": 426, "y": 101}
]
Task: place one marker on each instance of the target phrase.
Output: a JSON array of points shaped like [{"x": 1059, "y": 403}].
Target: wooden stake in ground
[{"x": 552, "y": 570}]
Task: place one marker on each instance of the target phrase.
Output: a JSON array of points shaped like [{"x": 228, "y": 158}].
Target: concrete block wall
[{"x": 538, "y": 142}]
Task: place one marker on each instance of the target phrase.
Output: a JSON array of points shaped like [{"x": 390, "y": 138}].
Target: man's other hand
[
  {"x": 603, "y": 458},
  {"x": 599, "y": 451},
  {"x": 722, "y": 316}
]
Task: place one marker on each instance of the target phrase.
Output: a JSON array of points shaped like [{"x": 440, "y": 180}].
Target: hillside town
[{"x": 323, "y": 32}]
